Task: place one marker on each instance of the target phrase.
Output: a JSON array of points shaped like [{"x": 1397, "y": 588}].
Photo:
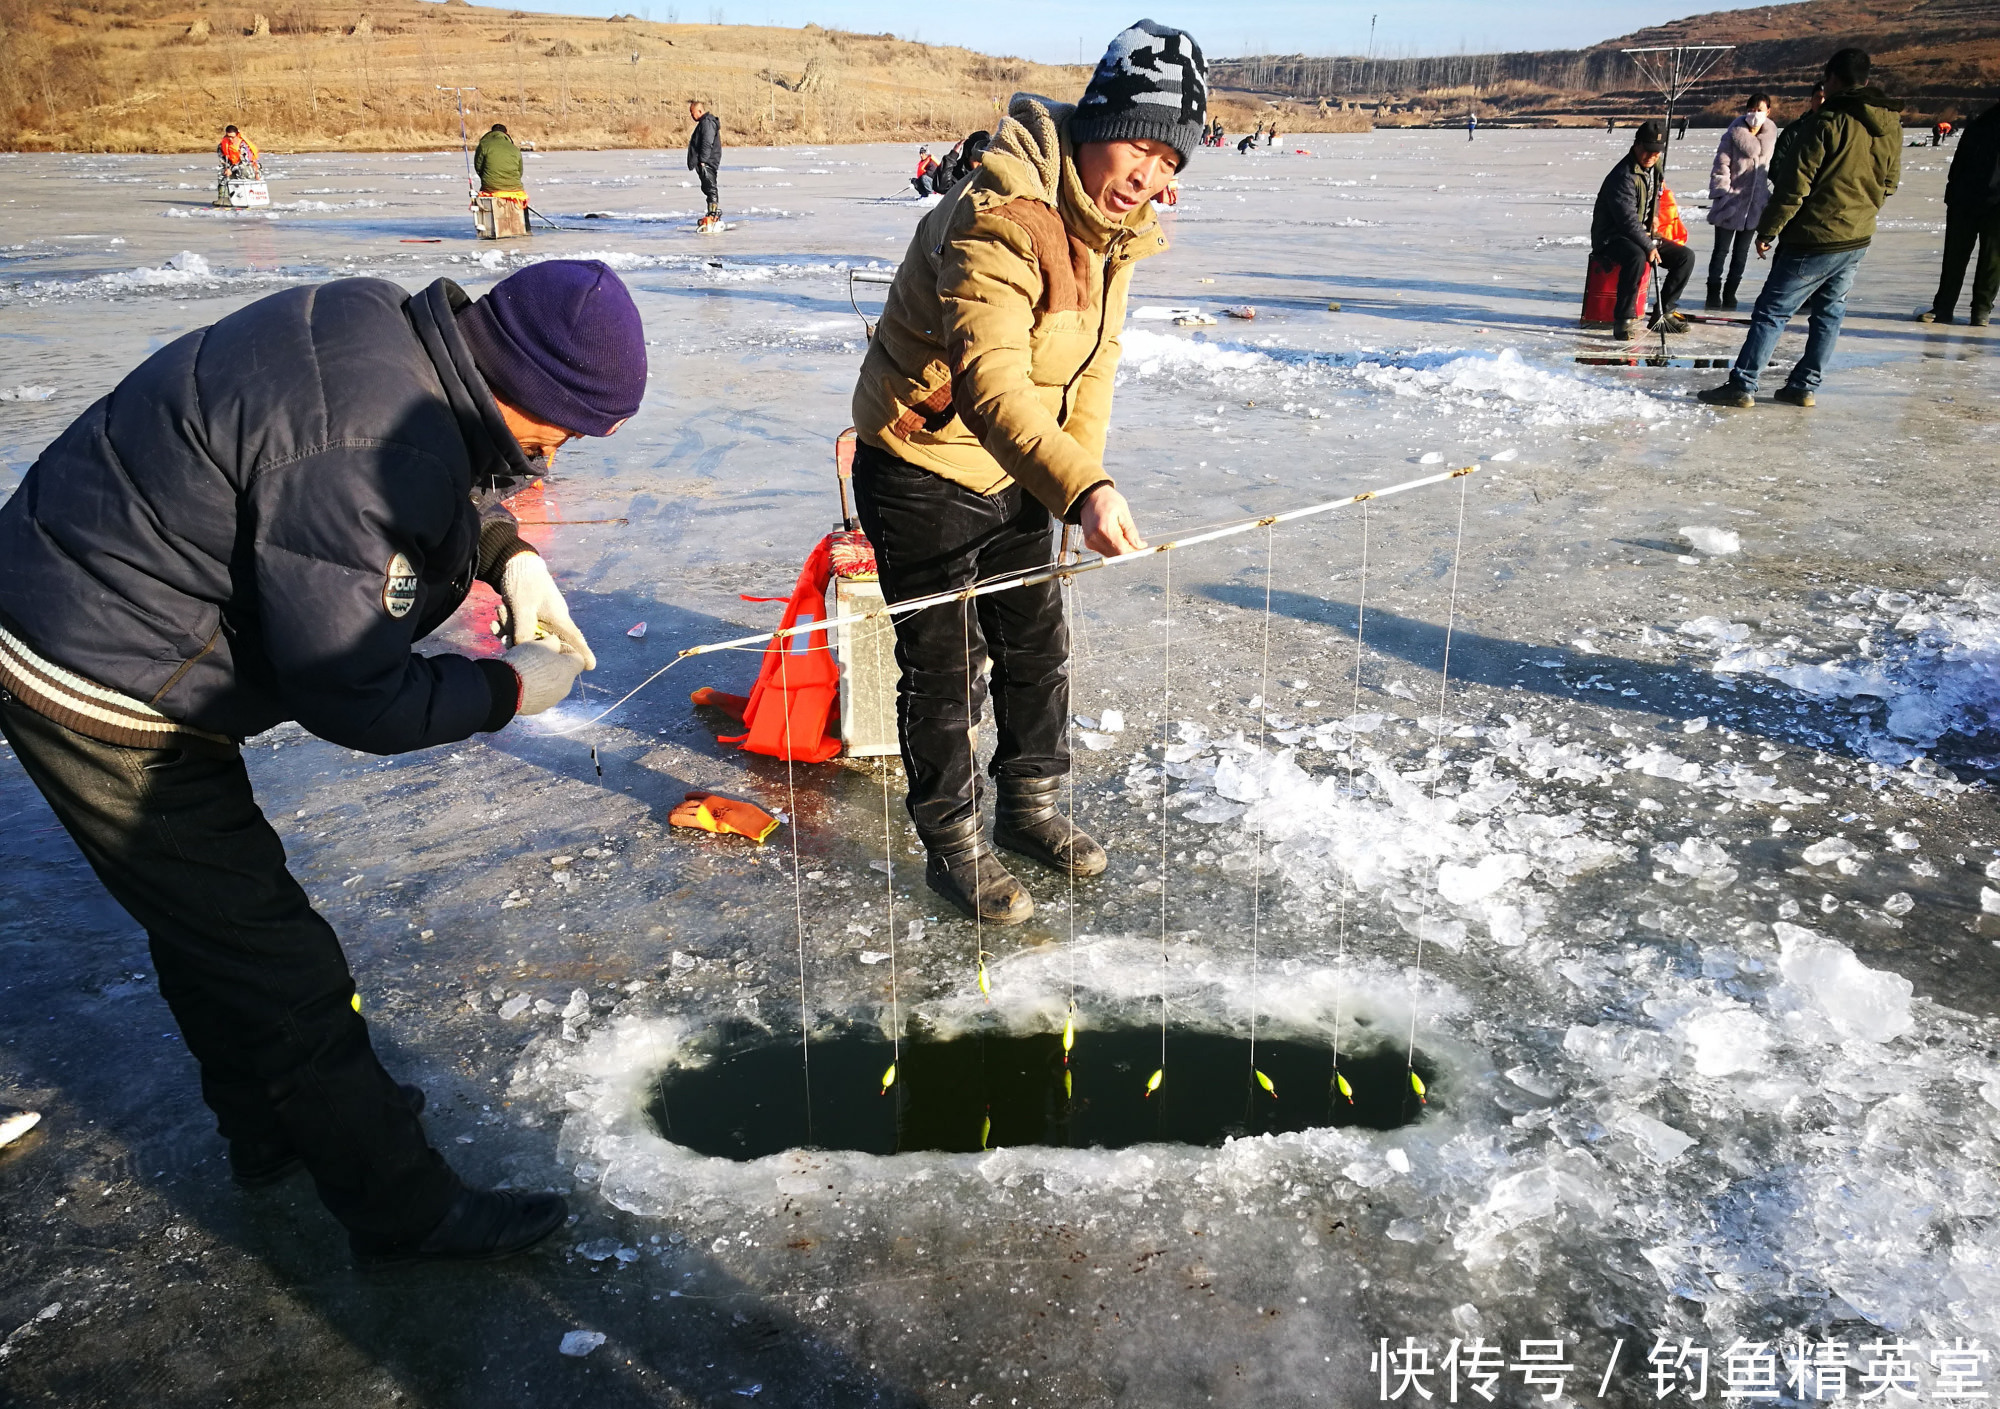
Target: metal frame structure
[{"x": 1674, "y": 69}]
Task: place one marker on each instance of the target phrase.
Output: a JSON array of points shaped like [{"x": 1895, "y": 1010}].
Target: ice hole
[{"x": 746, "y": 1096}]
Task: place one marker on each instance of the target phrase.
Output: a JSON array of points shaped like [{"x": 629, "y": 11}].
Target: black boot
[
  {"x": 1027, "y": 821},
  {"x": 480, "y": 1225},
  {"x": 1714, "y": 301},
  {"x": 962, "y": 868},
  {"x": 1729, "y": 295},
  {"x": 258, "y": 1163}
]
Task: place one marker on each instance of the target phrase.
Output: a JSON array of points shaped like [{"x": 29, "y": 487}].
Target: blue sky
[{"x": 1051, "y": 30}]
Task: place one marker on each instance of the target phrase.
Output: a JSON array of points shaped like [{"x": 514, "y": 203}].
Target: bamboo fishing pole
[{"x": 1056, "y": 572}]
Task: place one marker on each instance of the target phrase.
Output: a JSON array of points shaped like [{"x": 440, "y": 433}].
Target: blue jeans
[{"x": 1819, "y": 284}]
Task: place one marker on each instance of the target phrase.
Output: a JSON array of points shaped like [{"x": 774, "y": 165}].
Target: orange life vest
[
  {"x": 236, "y": 149},
  {"x": 1667, "y": 222}
]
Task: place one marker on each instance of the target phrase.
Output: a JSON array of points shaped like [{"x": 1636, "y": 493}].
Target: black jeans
[
  {"x": 1676, "y": 262},
  {"x": 1962, "y": 229},
  {"x": 1732, "y": 250},
  {"x": 711, "y": 189},
  {"x": 254, "y": 976},
  {"x": 930, "y": 535}
]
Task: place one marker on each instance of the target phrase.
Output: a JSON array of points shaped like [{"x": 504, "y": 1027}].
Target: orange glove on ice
[{"x": 711, "y": 812}]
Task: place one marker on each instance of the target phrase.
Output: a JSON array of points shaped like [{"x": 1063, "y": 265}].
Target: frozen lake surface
[{"x": 1686, "y": 881}]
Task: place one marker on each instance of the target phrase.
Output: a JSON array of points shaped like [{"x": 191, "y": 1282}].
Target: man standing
[
  {"x": 983, "y": 405},
  {"x": 1825, "y": 193},
  {"x": 257, "y": 525},
  {"x": 1621, "y": 235},
  {"x": 705, "y": 159},
  {"x": 1971, "y": 216},
  {"x": 497, "y": 163}
]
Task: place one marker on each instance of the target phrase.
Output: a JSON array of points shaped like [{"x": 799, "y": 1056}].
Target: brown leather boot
[
  {"x": 1027, "y": 821},
  {"x": 962, "y": 868}
]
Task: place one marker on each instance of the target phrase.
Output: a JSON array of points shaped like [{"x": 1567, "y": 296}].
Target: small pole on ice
[{"x": 464, "y": 138}]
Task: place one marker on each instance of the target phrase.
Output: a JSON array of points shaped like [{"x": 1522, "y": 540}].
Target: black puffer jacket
[
  {"x": 1974, "y": 183},
  {"x": 216, "y": 536},
  {"x": 1625, "y": 206},
  {"x": 705, "y": 142}
]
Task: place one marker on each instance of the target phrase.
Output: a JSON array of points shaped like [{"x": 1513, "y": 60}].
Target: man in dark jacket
[
  {"x": 1789, "y": 137},
  {"x": 705, "y": 158},
  {"x": 1971, "y": 216},
  {"x": 256, "y": 525},
  {"x": 1621, "y": 234},
  {"x": 1826, "y": 189}
]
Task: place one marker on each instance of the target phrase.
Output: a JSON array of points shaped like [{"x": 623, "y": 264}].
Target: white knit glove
[
  {"x": 546, "y": 670},
  {"x": 535, "y": 607}
]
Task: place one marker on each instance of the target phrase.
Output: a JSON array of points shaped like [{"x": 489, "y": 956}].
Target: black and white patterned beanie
[{"x": 1152, "y": 83}]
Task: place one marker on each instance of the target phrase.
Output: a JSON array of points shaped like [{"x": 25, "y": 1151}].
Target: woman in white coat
[{"x": 1739, "y": 185}]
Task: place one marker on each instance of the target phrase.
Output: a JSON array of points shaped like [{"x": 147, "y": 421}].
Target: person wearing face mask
[
  {"x": 1739, "y": 186},
  {"x": 982, "y": 408},
  {"x": 258, "y": 524}
]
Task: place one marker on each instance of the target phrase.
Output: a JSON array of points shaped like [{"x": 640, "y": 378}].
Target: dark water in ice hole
[{"x": 985, "y": 1090}]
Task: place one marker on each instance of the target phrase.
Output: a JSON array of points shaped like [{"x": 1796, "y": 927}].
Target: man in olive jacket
[
  {"x": 1826, "y": 190},
  {"x": 982, "y": 407},
  {"x": 497, "y": 161}
]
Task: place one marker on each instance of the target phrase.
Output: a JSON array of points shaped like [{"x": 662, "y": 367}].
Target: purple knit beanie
[{"x": 561, "y": 340}]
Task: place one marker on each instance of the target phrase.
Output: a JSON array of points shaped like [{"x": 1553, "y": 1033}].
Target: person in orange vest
[
  {"x": 1939, "y": 131},
  {"x": 926, "y": 178},
  {"x": 238, "y": 154}
]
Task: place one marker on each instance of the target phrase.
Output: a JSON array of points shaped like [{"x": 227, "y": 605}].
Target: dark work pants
[
  {"x": 1676, "y": 264},
  {"x": 1732, "y": 251},
  {"x": 1962, "y": 229},
  {"x": 254, "y": 976},
  {"x": 931, "y": 535},
  {"x": 711, "y": 189}
]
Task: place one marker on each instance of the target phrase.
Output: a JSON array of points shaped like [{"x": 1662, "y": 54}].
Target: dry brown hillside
[
  {"x": 1941, "y": 56},
  {"x": 151, "y": 75}
]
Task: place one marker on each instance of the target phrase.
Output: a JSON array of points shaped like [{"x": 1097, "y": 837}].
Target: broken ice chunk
[
  {"x": 1715, "y": 628},
  {"x": 870, "y": 956},
  {"x": 1096, "y": 743},
  {"x": 1728, "y": 1039},
  {"x": 1466, "y": 885},
  {"x": 1662, "y": 1143},
  {"x": 1112, "y": 722},
  {"x": 1828, "y": 849},
  {"x": 637, "y": 632},
  {"x": 515, "y": 1006},
  {"x": 580, "y": 1342},
  {"x": 1716, "y": 542},
  {"x": 1859, "y": 1002},
  {"x": 1398, "y": 1160}
]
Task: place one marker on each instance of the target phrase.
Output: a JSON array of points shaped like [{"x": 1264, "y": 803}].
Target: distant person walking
[
  {"x": 1739, "y": 187},
  {"x": 1680, "y": 129},
  {"x": 705, "y": 159},
  {"x": 1825, "y": 195},
  {"x": 1971, "y": 216},
  {"x": 1611, "y": 124},
  {"x": 1471, "y": 126},
  {"x": 1622, "y": 234},
  {"x": 497, "y": 163}
]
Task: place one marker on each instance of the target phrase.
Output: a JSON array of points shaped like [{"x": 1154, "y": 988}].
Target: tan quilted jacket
[{"x": 994, "y": 358}]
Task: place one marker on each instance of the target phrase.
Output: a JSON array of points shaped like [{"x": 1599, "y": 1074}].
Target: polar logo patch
[{"x": 399, "y": 591}]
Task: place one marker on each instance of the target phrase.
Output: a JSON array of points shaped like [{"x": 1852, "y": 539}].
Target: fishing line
[
  {"x": 1166, "y": 735},
  {"x": 889, "y": 869},
  {"x": 1257, "y": 859},
  {"x": 1067, "y": 551},
  {"x": 1437, "y": 765},
  {"x": 972, "y": 769},
  {"x": 798, "y": 890},
  {"x": 1347, "y": 871}
]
